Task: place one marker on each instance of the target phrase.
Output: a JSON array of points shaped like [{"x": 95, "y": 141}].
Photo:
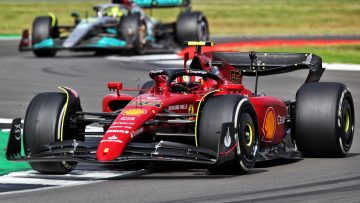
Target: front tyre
[
  {"x": 43, "y": 28},
  {"x": 224, "y": 109},
  {"x": 42, "y": 125},
  {"x": 133, "y": 30},
  {"x": 324, "y": 119}
]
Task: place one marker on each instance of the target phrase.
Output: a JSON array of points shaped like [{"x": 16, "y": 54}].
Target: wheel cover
[
  {"x": 347, "y": 121},
  {"x": 248, "y": 134},
  {"x": 202, "y": 31}
]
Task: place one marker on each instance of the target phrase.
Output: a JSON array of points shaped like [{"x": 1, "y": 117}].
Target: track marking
[
  {"x": 75, "y": 178},
  {"x": 153, "y": 57},
  {"x": 341, "y": 66}
]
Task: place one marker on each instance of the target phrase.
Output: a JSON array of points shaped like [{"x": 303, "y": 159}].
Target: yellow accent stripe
[
  {"x": 194, "y": 43},
  {"x": 53, "y": 19},
  {"x": 197, "y": 114},
  {"x": 63, "y": 116}
]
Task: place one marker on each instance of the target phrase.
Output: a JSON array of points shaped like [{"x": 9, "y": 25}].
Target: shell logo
[
  {"x": 269, "y": 126},
  {"x": 133, "y": 112}
]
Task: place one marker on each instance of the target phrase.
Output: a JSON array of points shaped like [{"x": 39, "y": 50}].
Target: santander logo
[{"x": 112, "y": 137}]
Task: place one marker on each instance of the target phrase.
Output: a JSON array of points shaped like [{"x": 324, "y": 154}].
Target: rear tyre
[
  {"x": 324, "y": 119},
  {"x": 230, "y": 108},
  {"x": 146, "y": 87},
  {"x": 42, "y": 29},
  {"x": 133, "y": 31},
  {"x": 42, "y": 126},
  {"x": 191, "y": 26}
]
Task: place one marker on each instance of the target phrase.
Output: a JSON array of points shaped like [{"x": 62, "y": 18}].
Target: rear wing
[
  {"x": 162, "y": 3},
  {"x": 271, "y": 63}
]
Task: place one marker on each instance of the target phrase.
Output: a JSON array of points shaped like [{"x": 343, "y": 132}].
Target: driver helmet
[{"x": 115, "y": 12}]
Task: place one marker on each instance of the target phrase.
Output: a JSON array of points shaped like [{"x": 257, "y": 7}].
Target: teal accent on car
[
  {"x": 44, "y": 44},
  {"x": 111, "y": 31},
  {"x": 150, "y": 38},
  {"x": 158, "y": 3},
  {"x": 108, "y": 42}
]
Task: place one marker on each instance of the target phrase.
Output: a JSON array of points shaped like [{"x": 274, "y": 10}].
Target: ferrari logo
[
  {"x": 133, "y": 112},
  {"x": 191, "y": 109}
]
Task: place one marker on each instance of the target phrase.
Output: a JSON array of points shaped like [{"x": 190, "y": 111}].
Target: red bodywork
[{"x": 271, "y": 112}]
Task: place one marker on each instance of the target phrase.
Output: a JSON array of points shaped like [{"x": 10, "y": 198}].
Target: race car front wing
[{"x": 137, "y": 155}]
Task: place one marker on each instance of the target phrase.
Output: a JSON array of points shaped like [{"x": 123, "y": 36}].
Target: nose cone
[
  {"x": 110, "y": 147},
  {"x": 121, "y": 131}
]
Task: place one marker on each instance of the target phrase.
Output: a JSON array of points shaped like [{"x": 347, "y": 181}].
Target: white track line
[
  {"x": 144, "y": 57},
  {"x": 59, "y": 181},
  {"x": 341, "y": 66}
]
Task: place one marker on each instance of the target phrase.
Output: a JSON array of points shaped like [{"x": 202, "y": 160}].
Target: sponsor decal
[
  {"x": 117, "y": 131},
  {"x": 120, "y": 126},
  {"x": 137, "y": 132},
  {"x": 122, "y": 123},
  {"x": 191, "y": 109},
  {"x": 18, "y": 131},
  {"x": 156, "y": 71},
  {"x": 133, "y": 112},
  {"x": 178, "y": 107},
  {"x": 126, "y": 118},
  {"x": 112, "y": 137},
  {"x": 200, "y": 72},
  {"x": 146, "y": 103},
  {"x": 280, "y": 120},
  {"x": 235, "y": 76},
  {"x": 269, "y": 126},
  {"x": 227, "y": 139},
  {"x": 117, "y": 141}
]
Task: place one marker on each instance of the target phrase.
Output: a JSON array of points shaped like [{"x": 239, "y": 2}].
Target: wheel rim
[
  {"x": 142, "y": 35},
  {"x": 202, "y": 31},
  {"x": 248, "y": 141},
  {"x": 347, "y": 121},
  {"x": 248, "y": 134},
  {"x": 347, "y": 128}
]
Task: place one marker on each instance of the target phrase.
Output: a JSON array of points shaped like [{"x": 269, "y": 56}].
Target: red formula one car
[{"x": 199, "y": 116}]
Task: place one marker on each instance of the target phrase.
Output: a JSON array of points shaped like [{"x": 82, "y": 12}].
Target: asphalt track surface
[{"x": 308, "y": 180}]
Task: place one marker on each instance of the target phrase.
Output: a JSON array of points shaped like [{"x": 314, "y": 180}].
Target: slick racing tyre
[
  {"x": 42, "y": 126},
  {"x": 133, "y": 30},
  {"x": 224, "y": 109},
  {"x": 191, "y": 26},
  {"x": 146, "y": 87},
  {"x": 324, "y": 119},
  {"x": 43, "y": 28}
]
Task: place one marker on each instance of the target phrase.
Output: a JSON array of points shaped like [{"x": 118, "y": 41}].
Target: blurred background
[{"x": 247, "y": 19}]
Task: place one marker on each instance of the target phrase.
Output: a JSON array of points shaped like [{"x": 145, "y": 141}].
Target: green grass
[
  {"x": 240, "y": 17},
  {"x": 5, "y": 165}
]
